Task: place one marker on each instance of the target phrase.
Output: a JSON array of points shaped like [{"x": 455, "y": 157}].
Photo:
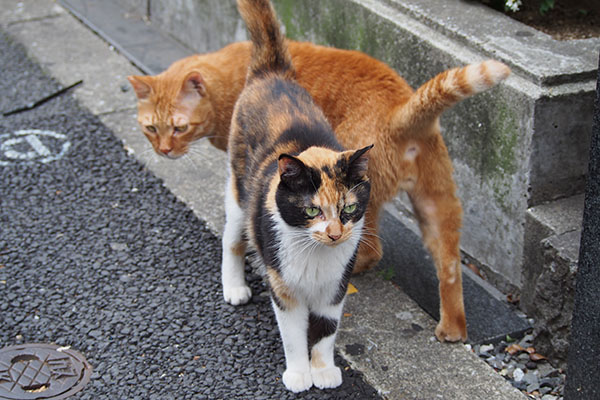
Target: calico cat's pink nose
[{"x": 334, "y": 237}]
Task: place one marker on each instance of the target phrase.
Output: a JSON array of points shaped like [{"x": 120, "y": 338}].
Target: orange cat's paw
[
  {"x": 364, "y": 264},
  {"x": 446, "y": 332}
]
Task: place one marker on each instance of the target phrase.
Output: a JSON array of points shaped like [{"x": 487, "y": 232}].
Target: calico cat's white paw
[
  {"x": 237, "y": 295},
  {"x": 326, "y": 378},
  {"x": 297, "y": 381}
]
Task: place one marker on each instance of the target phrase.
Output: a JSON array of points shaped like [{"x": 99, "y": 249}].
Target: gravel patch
[{"x": 519, "y": 363}]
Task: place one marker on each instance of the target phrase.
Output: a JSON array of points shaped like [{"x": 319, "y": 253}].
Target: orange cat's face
[{"x": 173, "y": 113}]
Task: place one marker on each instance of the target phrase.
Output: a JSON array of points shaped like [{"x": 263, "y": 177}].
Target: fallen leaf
[
  {"x": 530, "y": 350},
  {"x": 536, "y": 357},
  {"x": 513, "y": 298},
  {"x": 351, "y": 289},
  {"x": 196, "y": 358},
  {"x": 514, "y": 349},
  {"x": 347, "y": 314},
  {"x": 473, "y": 268}
]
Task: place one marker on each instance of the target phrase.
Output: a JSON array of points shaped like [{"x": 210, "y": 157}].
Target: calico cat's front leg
[
  {"x": 293, "y": 325},
  {"x": 322, "y": 329},
  {"x": 235, "y": 289}
]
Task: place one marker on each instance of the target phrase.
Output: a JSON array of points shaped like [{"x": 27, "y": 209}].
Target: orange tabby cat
[{"x": 366, "y": 102}]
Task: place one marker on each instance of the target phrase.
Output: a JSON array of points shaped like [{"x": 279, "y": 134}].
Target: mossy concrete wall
[{"x": 518, "y": 145}]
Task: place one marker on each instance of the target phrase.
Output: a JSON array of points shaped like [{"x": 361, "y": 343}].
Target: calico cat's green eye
[
  {"x": 312, "y": 211},
  {"x": 150, "y": 128},
  {"x": 181, "y": 129},
  {"x": 350, "y": 209}
]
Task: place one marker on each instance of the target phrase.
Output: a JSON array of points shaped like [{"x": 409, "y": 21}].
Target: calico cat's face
[
  {"x": 173, "y": 114},
  {"x": 324, "y": 192}
]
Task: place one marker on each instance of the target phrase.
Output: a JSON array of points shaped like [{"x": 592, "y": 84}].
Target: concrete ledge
[
  {"x": 130, "y": 33},
  {"x": 553, "y": 236},
  {"x": 499, "y": 36}
]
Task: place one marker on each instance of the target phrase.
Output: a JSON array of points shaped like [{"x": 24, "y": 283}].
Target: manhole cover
[{"x": 41, "y": 371}]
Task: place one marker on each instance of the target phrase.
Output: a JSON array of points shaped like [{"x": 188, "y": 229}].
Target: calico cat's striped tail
[
  {"x": 442, "y": 92},
  {"x": 269, "y": 49}
]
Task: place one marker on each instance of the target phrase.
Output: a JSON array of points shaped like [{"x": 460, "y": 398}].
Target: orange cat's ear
[
  {"x": 194, "y": 82},
  {"x": 141, "y": 86}
]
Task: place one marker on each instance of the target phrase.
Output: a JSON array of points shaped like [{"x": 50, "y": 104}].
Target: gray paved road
[{"x": 95, "y": 253}]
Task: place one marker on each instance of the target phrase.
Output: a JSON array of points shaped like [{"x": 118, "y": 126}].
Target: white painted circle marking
[{"x": 29, "y": 146}]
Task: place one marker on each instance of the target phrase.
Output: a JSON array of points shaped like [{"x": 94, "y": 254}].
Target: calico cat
[
  {"x": 297, "y": 198},
  {"x": 366, "y": 102}
]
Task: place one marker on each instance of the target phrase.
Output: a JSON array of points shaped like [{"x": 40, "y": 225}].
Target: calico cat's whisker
[
  {"x": 309, "y": 248},
  {"x": 369, "y": 245},
  {"x": 367, "y": 236},
  {"x": 305, "y": 244},
  {"x": 366, "y": 232},
  {"x": 355, "y": 186}
]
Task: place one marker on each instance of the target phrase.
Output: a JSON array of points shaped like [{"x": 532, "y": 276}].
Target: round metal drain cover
[{"x": 41, "y": 371}]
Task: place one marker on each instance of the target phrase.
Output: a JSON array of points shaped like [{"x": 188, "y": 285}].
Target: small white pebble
[
  {"x": 518, "y": 375},
  {"x": 486, "y": 348}
]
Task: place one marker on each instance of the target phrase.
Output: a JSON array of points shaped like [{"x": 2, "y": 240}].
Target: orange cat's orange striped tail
[
  {"x": 445, "y": 90},
  {"x": 269, "y": 48}
]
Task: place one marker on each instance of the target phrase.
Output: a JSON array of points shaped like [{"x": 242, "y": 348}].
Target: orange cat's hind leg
[
  {"x": 440, "y": 217},
  {"x": 370, "y": 249}
]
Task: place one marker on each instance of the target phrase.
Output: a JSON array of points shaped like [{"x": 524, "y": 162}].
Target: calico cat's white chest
[{"x": 312, "y": 270}]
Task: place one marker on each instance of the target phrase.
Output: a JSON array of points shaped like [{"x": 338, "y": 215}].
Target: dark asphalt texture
[{"x": 96, "y": 254}]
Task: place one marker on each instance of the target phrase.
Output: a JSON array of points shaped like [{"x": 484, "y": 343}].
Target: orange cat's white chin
[{"x": 170, "y": 156}]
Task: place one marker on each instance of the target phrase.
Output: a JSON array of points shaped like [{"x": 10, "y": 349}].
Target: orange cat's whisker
[
  {"x": 196, "y": 152},
  {"x": 148, "y": 159},
  {"x": 209, "y": 137},
  {"x": 190, "y": 160}
]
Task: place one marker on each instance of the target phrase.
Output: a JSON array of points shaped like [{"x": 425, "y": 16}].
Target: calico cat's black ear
[
  {"x": 357, "y": 164},
  {"x": 293, "y": 172}
]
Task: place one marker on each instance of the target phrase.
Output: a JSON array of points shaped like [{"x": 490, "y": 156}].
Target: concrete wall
[
  {"x": 203, "y": 25},
  {"x": 516, "y": 146},
  {"x": 138, "y": 7}
]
